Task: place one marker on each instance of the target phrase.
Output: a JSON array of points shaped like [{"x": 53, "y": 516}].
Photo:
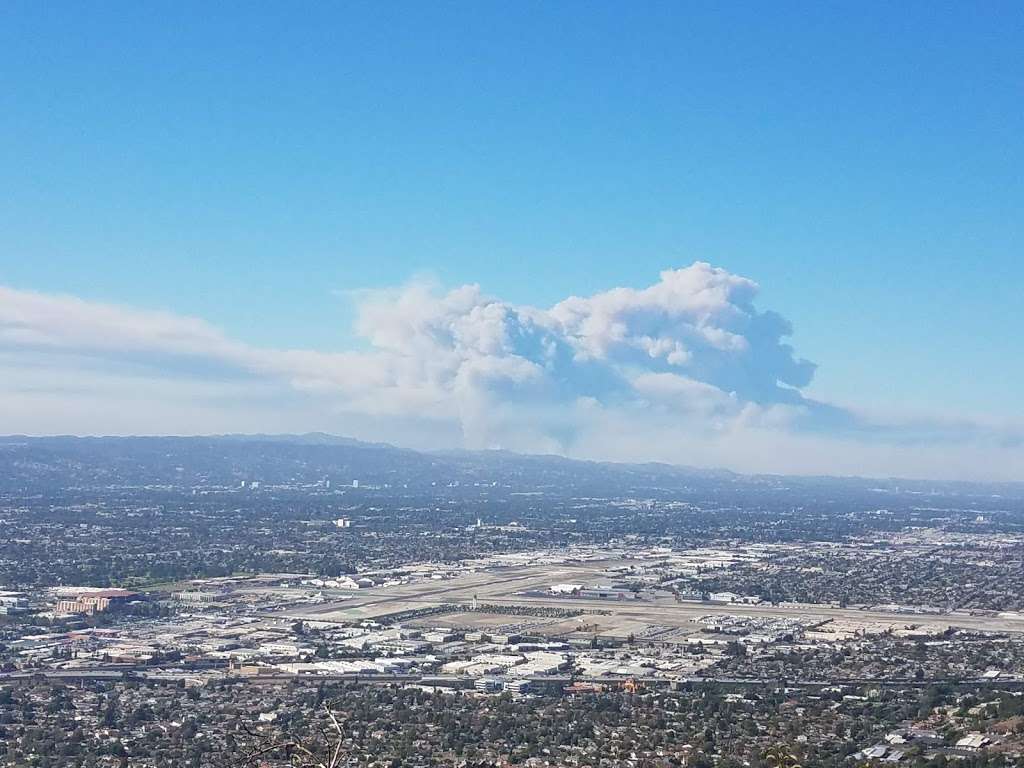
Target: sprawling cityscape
[
  {"x": 490, "y": 384},
  {"x": 234, "y": 601}
]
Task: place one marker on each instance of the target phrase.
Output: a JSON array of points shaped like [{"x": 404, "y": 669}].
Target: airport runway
[{"x": 502, "y": 587}]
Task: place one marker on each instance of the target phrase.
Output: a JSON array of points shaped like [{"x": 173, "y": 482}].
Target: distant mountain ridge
[{"x": 313, "y": 456}]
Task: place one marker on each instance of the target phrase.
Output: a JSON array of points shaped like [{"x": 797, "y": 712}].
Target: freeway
[{"x": 137, "y": 673}]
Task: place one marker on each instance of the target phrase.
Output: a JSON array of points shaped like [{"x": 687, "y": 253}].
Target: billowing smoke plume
[{"x": 693, "y": 341}]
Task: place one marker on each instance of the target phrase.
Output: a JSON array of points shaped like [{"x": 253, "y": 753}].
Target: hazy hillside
[{"x": 66, "y": 461}]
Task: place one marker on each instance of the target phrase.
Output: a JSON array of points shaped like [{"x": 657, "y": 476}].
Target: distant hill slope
[{"x": 228, "y": 459}]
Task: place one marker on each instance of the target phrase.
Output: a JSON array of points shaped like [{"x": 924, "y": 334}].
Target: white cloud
[{"x": 685, "y": 370}]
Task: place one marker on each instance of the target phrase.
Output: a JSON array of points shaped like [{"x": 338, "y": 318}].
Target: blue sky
[{"x": 253, "y": 164}]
